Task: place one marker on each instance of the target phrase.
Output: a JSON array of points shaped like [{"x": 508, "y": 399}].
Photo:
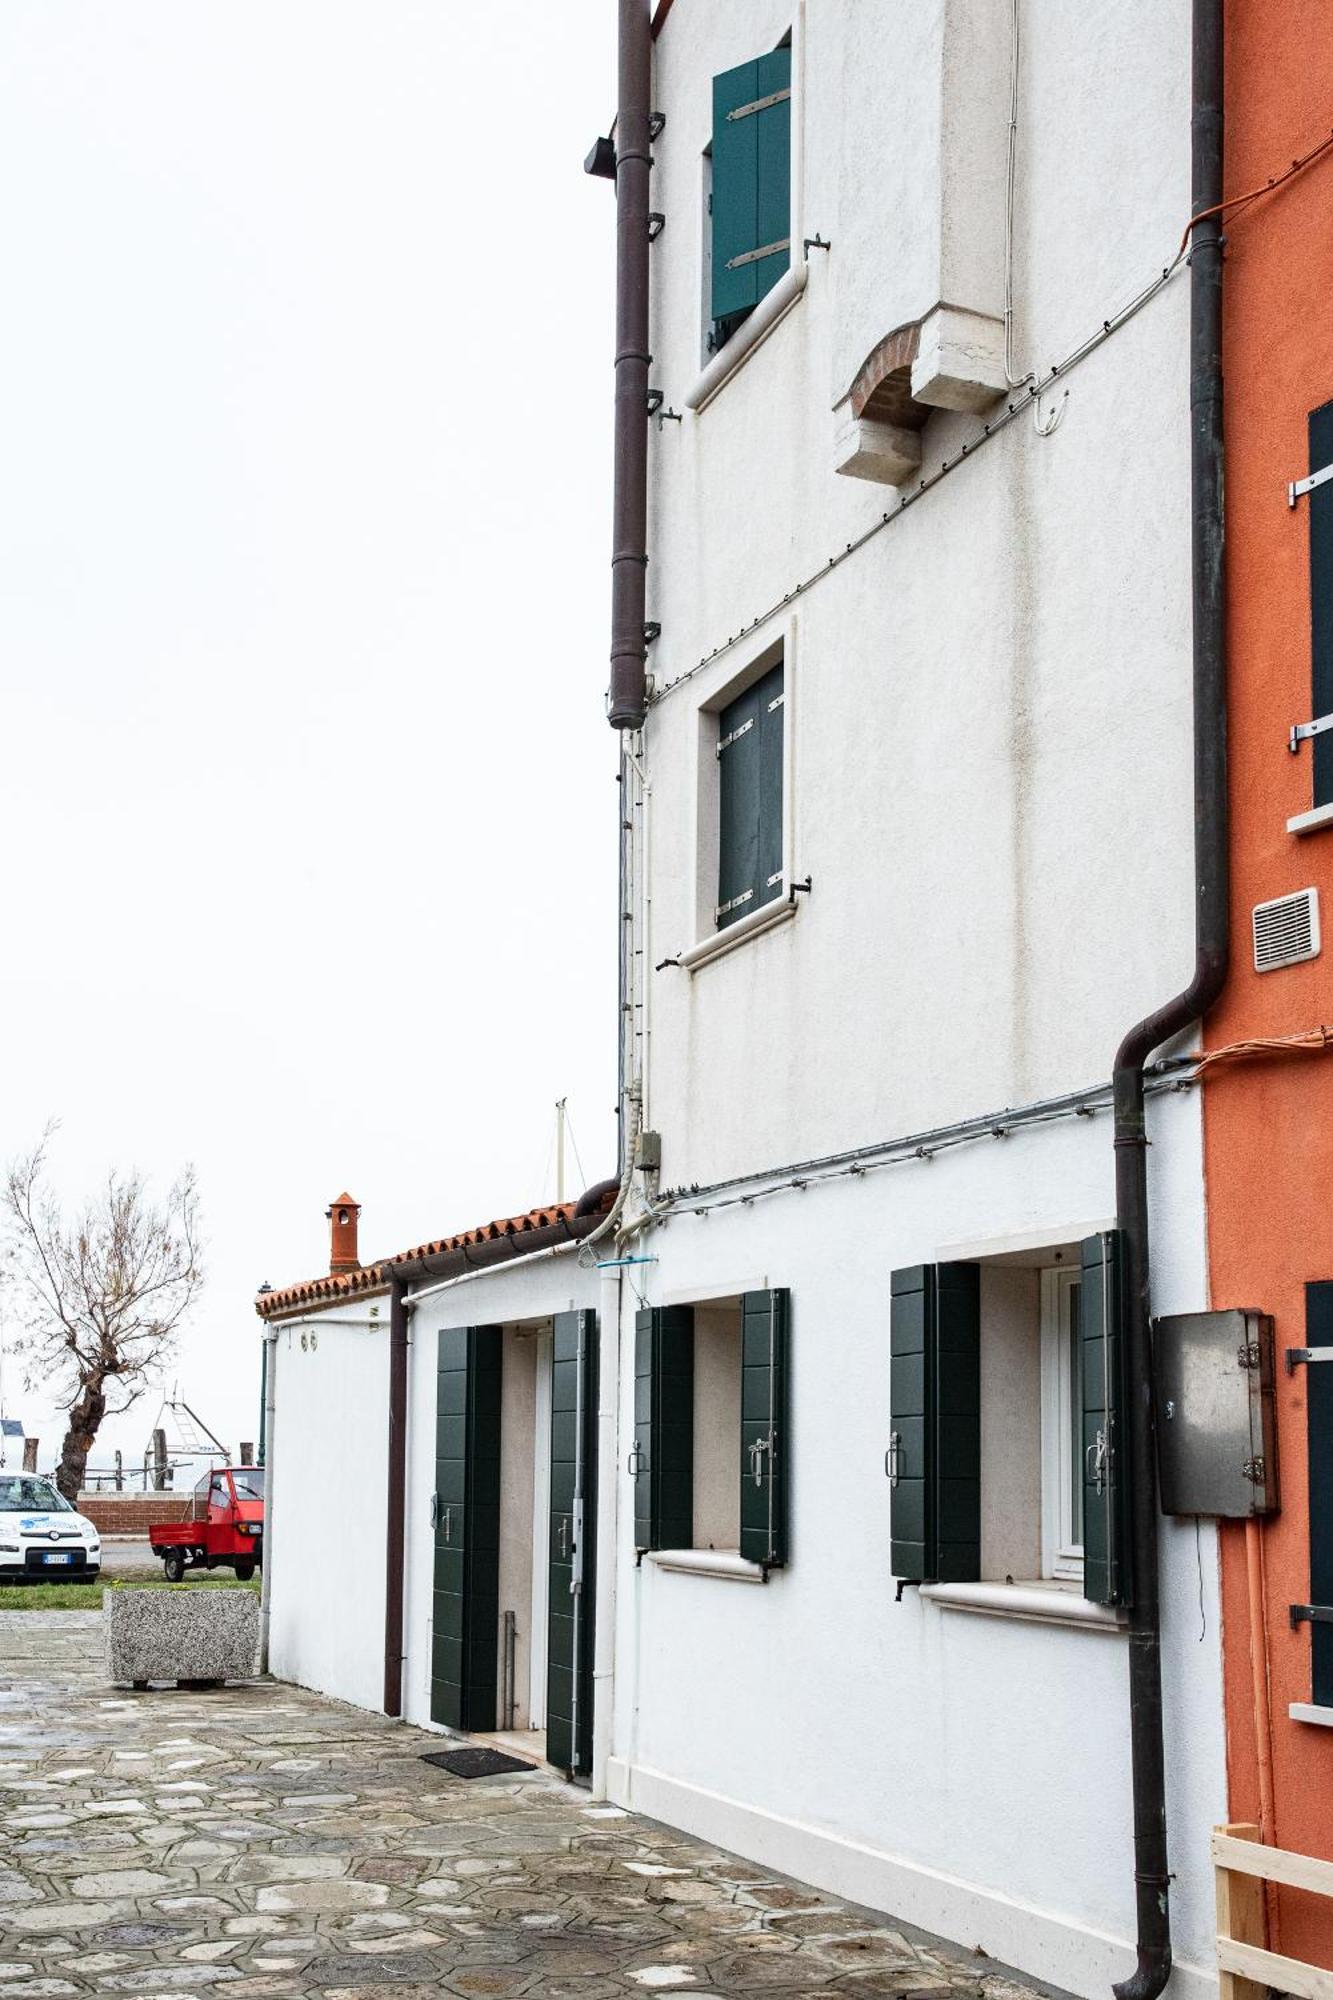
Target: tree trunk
[{"x": 85, "y": 1420}]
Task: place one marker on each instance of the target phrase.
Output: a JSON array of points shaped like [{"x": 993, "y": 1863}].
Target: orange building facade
[{"x": 1268, "y": 1116}]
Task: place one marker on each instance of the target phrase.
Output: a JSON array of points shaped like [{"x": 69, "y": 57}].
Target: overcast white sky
[{"x": 307, "y": 796}]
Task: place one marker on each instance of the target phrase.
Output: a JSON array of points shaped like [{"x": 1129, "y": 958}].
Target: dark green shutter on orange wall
[
  {"x": 934, "y": 1461},
  {"x": 751, "y": 199},
  {"x": 1320, "y": 502}
]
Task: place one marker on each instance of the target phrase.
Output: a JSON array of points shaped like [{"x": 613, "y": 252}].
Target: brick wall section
[{"x": 116, "y": 1514}]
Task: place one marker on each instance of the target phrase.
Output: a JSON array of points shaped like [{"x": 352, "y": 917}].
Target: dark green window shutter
[
  {"x": 1107, "y": 1576},
  {"x": 466, "y": 1598},
  {"x": 751, "y": 184},
  {"x": 935, "y": 1418},
  {"x": 750, "y": 735},
  {"x": 572, "y": 1548},
  {"x": 1321, "y": 600},
  {"x": 1319, "y": 1430},
  {"x": 662, "y": 1459},
  {"x": 765, "y": 1427}
]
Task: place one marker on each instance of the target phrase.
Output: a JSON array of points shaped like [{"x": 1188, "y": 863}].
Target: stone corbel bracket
[{"x": 949, "y": 360}]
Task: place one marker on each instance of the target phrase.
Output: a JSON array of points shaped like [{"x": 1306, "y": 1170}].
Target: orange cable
[{"x": 1240, "y": 200}]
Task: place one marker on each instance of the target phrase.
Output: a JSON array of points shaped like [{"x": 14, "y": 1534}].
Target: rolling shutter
[
  {"x": 1321, "y": 600},
  {"x": 765, "y": 1427},
  {"x": 466, "y": 1514},
  {"x": 1319, "y": 1425},
  {"x": 751, "y": 204},
  {"x": 1106, "y": 1548},
  {"x": 662, "y": 1459},
  {"x": 934, "y": 1460},
  {"x": 750, "y": 757}
]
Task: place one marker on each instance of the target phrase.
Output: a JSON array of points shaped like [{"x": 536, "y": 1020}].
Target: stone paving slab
[{"x": 263, "y": 1843}]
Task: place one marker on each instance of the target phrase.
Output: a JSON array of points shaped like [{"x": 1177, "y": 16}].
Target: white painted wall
[
  {"x": 989, "y": 707},
  {"x": 327, "y": 1515},
  {"x": 969, "y": 1774}
]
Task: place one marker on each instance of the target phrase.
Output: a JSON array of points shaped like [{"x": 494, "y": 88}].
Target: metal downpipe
[
  {"x": 629, "y": 533},
  {"x": 397, "y": 1501},
  {"x": 1212, "y": 946}
]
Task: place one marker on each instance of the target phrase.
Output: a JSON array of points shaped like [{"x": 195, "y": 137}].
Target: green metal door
[
  {"x": 572, "y": 1552},
  {"x": 465, "y": 1512}
]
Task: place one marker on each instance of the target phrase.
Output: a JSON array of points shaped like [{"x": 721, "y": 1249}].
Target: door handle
[
  {"x": 637, "y": 1461},
  {"x": 893, "y": 1458}
]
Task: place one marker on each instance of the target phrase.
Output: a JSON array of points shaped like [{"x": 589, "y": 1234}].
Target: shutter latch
[{"x": 757, "y": 1450}]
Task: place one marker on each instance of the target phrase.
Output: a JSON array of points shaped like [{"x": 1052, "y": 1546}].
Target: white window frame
[{"x": 1061, "y": 1427}]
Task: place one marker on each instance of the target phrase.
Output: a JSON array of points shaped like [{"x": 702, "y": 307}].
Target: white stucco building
[{"x": 793, "y": 1456}]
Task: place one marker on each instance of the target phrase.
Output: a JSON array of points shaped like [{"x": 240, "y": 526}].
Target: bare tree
[{"x": 100, "y": 1293}]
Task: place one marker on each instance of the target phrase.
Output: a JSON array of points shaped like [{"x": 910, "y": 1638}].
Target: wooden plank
[
  {"x": 1241, "y": 1918},
  {"x": 1259, "y": 1969},
  {"x": 1273, "y": 1864}
]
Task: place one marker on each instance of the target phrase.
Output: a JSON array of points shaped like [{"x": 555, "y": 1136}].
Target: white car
[{"x": 41, "y": 1535}]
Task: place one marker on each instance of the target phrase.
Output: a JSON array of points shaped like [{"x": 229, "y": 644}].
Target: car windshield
[
  {"x": 30, "y": 1496},
  {"x": 248, "y": 1481}
]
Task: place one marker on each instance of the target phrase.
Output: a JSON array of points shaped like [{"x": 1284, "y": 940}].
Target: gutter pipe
[
  {"x": 629, "y": 532},
  {"x": 270, "y": 1410},
  {"x": 1212, "y": 948},
  {"x": 397, "y": 1502}
]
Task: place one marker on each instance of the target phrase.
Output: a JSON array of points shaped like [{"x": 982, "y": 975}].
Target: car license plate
[{"x": 49, "y": 1557}]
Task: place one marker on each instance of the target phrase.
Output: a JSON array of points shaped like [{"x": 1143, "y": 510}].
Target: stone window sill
[
  {"x": 780, "y": 911},
  {"x": 708, "y": 1562},
  {"x": 1309, "y": 1711},
  {"x": 1039, "y": 1603},
  {"x": 1310, "y": 822},
  {"x": 752, "y": 333}
]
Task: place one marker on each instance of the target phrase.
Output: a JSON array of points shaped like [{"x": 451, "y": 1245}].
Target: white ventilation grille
[{"x": 1286, "y": 931}]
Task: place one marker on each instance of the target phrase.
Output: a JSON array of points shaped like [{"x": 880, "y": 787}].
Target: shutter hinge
[
  {"x": 1296, "y": 487},
  {"x": 758, "y": 104},
  {"x": 1301, "y": 731},
  {"x": 753, "y": 256},
  {"x": 723, "y": 909},
  {"x": 727, "y": 741}
]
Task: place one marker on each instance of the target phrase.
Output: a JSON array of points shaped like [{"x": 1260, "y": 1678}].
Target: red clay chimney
[{"x": 342, "y": 1212}]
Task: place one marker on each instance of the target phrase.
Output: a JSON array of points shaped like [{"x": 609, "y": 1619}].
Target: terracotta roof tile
[{"x": 375, "y": 1277}]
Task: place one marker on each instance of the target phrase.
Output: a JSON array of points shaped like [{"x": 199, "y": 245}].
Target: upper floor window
[
  {"x": 749, "y": 230},
  {"x": 750, "y": 759}
]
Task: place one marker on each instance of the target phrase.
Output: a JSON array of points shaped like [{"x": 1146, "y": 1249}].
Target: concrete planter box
[{"x": 180, "y": 1635}]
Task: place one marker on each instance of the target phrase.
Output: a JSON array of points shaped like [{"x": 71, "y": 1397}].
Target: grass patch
[{"x": 88, "y": 1596}]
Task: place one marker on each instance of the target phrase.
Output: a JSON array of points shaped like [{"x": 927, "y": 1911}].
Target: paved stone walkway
[{"x": 262, "y": 1841}]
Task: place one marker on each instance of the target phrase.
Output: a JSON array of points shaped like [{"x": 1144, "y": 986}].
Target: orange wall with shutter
[{"x": 1268, "y": 1124}]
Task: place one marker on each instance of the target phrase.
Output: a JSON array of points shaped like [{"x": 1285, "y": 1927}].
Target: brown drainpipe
[
  {"x": 629, "y": 532},
  {"x": 393, "y": 1572}
]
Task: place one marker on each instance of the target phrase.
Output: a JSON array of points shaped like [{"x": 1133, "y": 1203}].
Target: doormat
[{"x": 476, "y": 1762}]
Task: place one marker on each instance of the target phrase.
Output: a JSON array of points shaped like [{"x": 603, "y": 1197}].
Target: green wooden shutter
[
  {"x": 1320, "y": 502},
  {"x": 1319, "y": 1432},
  {"x": 662, "y": 1460},
  {"x": 934, "y": 1458},
  {"x": 751, "y": 200},
  {"x": 765, "y": 1427},
  {"x": 572, "y": 1548},
  {"x": 1107, "y": 1576},
  {"x": 466, "y": 1598},
  {"x": 750, "y": 758}
]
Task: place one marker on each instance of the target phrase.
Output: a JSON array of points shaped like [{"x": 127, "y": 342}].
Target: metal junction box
[{"x": 1216, "y": 1442}]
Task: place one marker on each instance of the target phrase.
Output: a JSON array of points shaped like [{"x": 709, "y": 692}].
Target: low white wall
[
  {"x": 968, "y": 1774},
  {"x": 328, "y": 1514}
]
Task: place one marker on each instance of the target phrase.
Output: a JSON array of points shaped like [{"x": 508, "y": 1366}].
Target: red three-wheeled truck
[{"x": 223, "y": 1526}]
